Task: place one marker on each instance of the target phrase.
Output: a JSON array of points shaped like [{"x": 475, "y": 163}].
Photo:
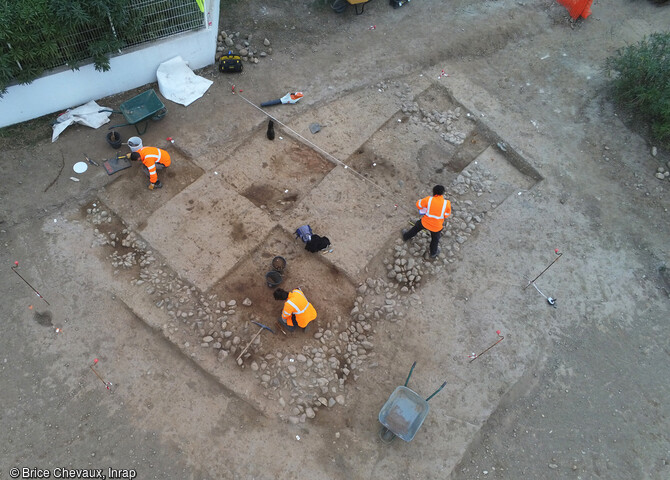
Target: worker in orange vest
[
  {"x": 297, "y": 312},
  {"x": 434, "y": 210},
  {"x": 154, "y": 159}
]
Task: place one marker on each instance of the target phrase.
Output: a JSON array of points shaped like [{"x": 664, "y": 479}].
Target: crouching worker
[
  {"x": 297, "y": 312},
  {"x": 153, "y": 159}
]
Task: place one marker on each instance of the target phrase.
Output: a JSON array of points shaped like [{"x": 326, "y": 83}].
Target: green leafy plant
[
  {"x": 39, "y": 35},
  {"x": 641, "y": 82}
]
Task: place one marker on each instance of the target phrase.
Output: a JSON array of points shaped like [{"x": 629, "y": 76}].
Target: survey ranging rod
[
  {"x": 108, "y": 385},
  {"x": 473, "y": 356},
  {"x": 16, "y": 265},
  {"x": 550, "y": 300}
]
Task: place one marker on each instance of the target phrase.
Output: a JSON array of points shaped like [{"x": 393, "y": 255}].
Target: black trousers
[
  {"x": 434, "y": 236},
  {"x": 159, "y": 167}
]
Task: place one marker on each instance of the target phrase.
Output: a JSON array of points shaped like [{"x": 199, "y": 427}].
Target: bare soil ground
[{"x": 142, "y": 279}]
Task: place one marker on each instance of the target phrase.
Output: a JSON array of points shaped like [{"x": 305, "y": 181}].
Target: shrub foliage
[
  {"x": 38, "y": 35},
  {"x": 641, "y": 82}
]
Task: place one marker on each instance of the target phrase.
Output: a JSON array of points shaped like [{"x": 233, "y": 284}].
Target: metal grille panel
[{"x": 158, "y": 19}]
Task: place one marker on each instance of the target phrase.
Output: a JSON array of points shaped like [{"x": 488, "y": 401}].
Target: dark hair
[
  {"x": 134, "y": 156},
  {"x": 281, "y": 294},
  {"x": 438, "y": 190}
]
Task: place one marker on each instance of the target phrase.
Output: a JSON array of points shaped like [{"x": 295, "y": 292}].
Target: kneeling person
[
  {"x": 154, "y": 159},
  {"x": 297, "y": 312}
]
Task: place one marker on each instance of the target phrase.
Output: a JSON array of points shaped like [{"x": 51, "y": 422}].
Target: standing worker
[
  {"x": 153, "y": 159},
  {"x": 297, "y": 312},
  {"x": 434, "y": 210}
]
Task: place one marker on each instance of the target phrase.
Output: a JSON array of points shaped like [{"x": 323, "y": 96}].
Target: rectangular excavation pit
[
  {"x": 357, "y": 218},
  {"x": 274, "y": 175},
  {"x": 409, "y": 153},
  {"x": 328, "y": 289},
  {"x": 128, "y": 195},
  {"x": 298, "y": 367},
  {"x": 206, "y": 229}
]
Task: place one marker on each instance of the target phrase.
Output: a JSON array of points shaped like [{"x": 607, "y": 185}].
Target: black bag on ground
[
  {"x": 316, "y": 243},
  {"x": 230, "y": 63}
]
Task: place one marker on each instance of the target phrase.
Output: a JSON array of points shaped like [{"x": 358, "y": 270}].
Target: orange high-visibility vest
[
  {"x": 150, "y": 156},
  {"x": 434, "y": 210},
  {"x": 298, "y": 304}
]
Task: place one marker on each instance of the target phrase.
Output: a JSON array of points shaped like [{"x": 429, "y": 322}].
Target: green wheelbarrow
[
  {"x": 140, "y": 109},
  {"x": 404, "y": 412}
]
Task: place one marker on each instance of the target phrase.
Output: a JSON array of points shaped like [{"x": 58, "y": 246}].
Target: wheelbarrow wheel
[
  {"x": 386, "y": 435},
  {"x": 160, "y": 114},
  {"x": 339, "y": 6}
]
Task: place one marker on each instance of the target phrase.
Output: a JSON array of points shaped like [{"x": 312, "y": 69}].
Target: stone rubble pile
[
  {"x": 663, "y": 173},
  {"x": 442, "y": 122},
  {"x": 242, "y": 45},
  {"x": 446, "y": 123},
  {"x": 315, "y": 378}
]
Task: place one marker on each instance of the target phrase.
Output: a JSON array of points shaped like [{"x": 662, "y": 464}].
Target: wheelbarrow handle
[
  {"x": 437, "y": 391},
  {"x": 410, "y": 373},
  {"x": 109, "y": 110}
]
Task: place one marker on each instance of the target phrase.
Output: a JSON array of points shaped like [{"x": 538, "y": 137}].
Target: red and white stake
[
  {"x": 108, "y": 385},
  {"x": 16, "y": 265},
  {"x": 473, "y": 356}
]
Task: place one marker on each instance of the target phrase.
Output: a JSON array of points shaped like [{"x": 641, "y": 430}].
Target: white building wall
[{"x": 68, "y": 89}]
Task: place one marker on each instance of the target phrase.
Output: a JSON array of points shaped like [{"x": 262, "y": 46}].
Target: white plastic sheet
[
  {"x": 87, "y": 114},
  {"x": 178, "y": 83}
]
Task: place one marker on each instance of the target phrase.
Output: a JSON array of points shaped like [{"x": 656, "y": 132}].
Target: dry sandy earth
[{"x": 136, "y": 278}]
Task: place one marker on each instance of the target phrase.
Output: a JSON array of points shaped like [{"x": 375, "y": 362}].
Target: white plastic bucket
[{"x": 134, "y": 143}]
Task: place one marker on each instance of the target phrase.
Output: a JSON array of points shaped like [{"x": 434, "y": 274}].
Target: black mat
[{"x": 116, "y": 164}]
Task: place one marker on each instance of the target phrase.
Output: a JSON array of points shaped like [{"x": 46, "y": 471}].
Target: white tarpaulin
[
  {"x": 86, "y": 115},
  {"x": 178, "y": 83}
]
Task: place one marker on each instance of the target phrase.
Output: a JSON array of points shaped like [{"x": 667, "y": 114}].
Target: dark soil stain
[
  {"x": 238, "y": 233},
  {"x": 43, "y": 319}
]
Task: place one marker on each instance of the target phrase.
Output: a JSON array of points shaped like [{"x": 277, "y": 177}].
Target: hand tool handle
[
  {"x": 263, "y": 326},
  {"x": 249, "y": 344},
  {"x": 271, "y": 102}
]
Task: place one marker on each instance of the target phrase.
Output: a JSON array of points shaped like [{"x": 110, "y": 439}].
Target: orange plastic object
[{"x": 577, "y": 8}]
